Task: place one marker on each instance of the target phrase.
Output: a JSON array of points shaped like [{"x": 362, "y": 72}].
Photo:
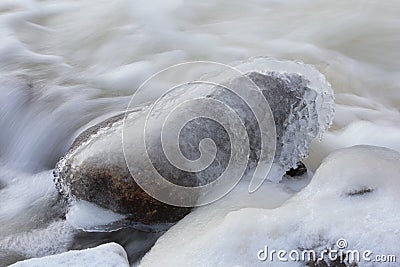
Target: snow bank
[
  {"x": 110, "y": 254},
  {"x": 352, "y": 196}
]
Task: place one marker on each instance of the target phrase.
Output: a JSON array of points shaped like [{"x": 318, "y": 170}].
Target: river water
[{"x": 65, "y": 65}]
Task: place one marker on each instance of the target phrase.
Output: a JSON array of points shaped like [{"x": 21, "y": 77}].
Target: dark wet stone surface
[
  {"x": 298, "y": 171},
  {"x": 136, "y": 243}
]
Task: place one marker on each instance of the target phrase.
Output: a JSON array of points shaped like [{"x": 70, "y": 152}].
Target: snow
[
  {"x": 331, "y": 207},
  {"x": 86, "y": 216},
  {"x": 110, "y": 254}
]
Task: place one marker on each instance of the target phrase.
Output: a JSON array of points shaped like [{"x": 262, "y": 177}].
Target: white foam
[{"x": 27, "y": 201}]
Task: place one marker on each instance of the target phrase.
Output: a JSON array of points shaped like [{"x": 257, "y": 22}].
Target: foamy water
[{"x": 66, "y": 65}]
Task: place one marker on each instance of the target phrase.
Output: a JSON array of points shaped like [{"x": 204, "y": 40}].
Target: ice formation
[
  {"x": 110, "y": 254},
  {"x": 57, "y": 237},
  {"x": 310, "y": 116},
  {"x": 352, "y": 196},
  {"x": 86, "y": 216}
]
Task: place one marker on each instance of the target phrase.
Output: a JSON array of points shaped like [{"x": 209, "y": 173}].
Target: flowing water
[{"x": 66, "y": 65}]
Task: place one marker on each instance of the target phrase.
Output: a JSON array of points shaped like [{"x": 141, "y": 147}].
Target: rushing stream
[{"x": 67, "y": 65}]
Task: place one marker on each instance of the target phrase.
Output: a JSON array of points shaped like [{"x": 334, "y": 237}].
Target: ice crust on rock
[
  {"x": 352, "y": 196},
  {"x": 309, "y": 117},
  {"x": 94, "y": 170},
  {"x": 86, "y": 216},
  {"x": 302, "y": 105},
  {"x": 110, "y": 254}
]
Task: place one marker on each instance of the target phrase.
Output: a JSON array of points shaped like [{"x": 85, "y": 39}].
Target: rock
[
  {"x": 298, "y": 171},
  {"x": 95, "y": 169},
  {"x": 104, "y": 179},
  {"x": 110, "y": 254}
]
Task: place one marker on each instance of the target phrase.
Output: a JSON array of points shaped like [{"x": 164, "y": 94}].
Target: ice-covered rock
[
  {"x": 110, "y": 254},
  {"x": 353, "y": 196},
  {"x": 301, "y": 109},
  {"x": 95, "y": 170}
]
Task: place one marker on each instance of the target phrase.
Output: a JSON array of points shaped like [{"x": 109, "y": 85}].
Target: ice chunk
[{"x": 309, "y": 117}]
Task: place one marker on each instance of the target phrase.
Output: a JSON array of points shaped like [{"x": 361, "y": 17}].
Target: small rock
[{"x": 298, "y": 171}]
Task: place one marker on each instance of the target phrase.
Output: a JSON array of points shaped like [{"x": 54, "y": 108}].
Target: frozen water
[
  {"x": 85, "y": 215},
  {"x": 309, "y": 118},
  {"x": 110, "y": 254},
  {"x": 55, "y": 238}
]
